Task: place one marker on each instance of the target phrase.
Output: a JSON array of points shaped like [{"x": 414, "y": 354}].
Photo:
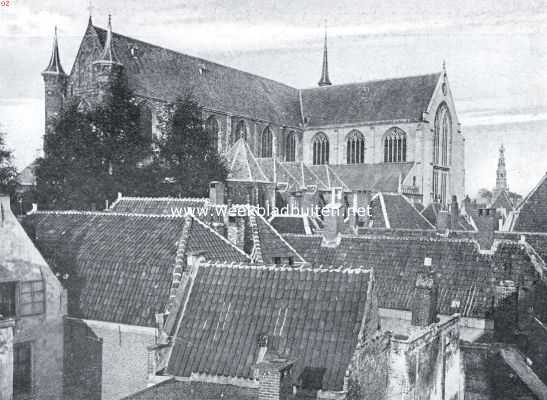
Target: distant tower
[
  {"x": 325, "y": 81},
  {"x": 107, "y": 69},
  {"x": 501, "y": 172},
  {"x": 55, "y": 81}
]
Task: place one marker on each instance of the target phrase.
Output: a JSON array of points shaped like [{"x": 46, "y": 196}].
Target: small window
[
  {"x": 277, "y": 260},
  {"x": 31, "y": 298},
  {"x": 7, "y": 300},
  {"x": 22, "y": 368}
]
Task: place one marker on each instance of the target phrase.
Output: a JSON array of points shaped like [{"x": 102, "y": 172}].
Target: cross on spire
[{"x": 325, "y": 81}]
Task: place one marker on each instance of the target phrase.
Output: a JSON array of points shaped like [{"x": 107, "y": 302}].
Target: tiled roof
[
  {"x": 120, "y": 266},
  {"x": 465, "y": 275},
  {"x": 160, "y": 73},
  {"x": 531, "y": 214},
  {"x": 179, "y": 390},
  {"x": 384, "y": 100},
  {"x": 157, "y": 205},
  {"x": 379, "y": 177},
  {"x": 462, "y": 224},
  {"x": 312, "y": 315},
  {"x": 300, "y": 224},
  {"x": 272, "y": 243},
  {"x": 502, "y": 200},
  {"x": 395, "y": 211},
  {"x": 243, "y": 165}
]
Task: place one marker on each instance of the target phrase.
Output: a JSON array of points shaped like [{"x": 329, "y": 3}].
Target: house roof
[
  {"x": 173, "y": 389},
  {"x": 379, "y": 177},
  {"x": 383, "y": 100},
  {"x": 313, "y": 315},
  {"x": 119, "y": 267},
  {"x": 502, "y": 200},
  {"x": 272, "y": 244},
  {"x": 157, "y": 205},
  {"x": 395, "y": 211},
  {"x": 462, "y": 224},
  {"x": 531, "y": 214},
  {"x": 465, "y": 275},
  {"x": 300, "y": 224},
  {"x": 243, "y": 165},
  {"x": 160, "y": 73}
]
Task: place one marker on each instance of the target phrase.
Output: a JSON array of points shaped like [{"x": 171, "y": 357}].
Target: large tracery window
[
  {"x": 442, "y": 137},
  {"x": 240, "y": 131},
  {"x": 267, "y": 142},
  {"x": 290, "y": 147},
  {"x": 355, "y": 148},
  {"x": 213, "y": 129},
  {"x": 320, "y": 149},
  {"x": 395, "y": 145}
]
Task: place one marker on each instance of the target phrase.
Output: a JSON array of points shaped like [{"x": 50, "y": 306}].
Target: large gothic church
[{"x": 397, "y": 135}]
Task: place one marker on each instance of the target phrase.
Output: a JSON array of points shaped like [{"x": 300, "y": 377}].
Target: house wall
[
  {"x": 427, "y": 366},
  {"x": 122, "y": 350},
  {"x": 20, "y": 261}
]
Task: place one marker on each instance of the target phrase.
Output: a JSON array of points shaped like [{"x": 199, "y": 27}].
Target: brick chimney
[
  {"x": 273, "y": 373},
  {"x": 454, "y": 212},
  {"x": 333, "y": 217},
  {"x": 424, "y": 302},
  {"x": 443, "y": 221},
  {"x": 216, "y": 192},
  {"x": 487, "y": 224},
  {"x": 6, "y": 358}
]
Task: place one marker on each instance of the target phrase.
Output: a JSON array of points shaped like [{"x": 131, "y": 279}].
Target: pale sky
[{"x": 496, "y": 55}]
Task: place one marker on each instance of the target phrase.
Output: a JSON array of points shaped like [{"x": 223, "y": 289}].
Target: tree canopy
[
  {"x": 7, "y": 169},
  {"x": 91, "y": 155}
]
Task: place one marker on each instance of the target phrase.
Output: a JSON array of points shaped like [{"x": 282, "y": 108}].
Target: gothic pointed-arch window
[
  {"x": 355, "y": 147},
  {"x": 395, "y": 145},
  {"x": 442, "y": 137},
  {"x": 145, "y": 121},
  {"x": 212, "y": 128},
  {"x": 290, "y": 147},
  {"x": 240, "y": 131},
  {"x": 267, "y": 142},
  {"x": 320, "y": 149}
]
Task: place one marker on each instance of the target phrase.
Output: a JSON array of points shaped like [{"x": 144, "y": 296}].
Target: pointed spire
[
  {"x": 54, "y": 66},
  {"x": 108, "y": 52},
  {"x": 90, "y": 9},
  {"x": 444, "y": 66},
  {"x": 325, "y": 81}
]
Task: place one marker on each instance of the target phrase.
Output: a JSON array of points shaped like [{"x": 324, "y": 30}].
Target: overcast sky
[{"x": 496, "y": 55}]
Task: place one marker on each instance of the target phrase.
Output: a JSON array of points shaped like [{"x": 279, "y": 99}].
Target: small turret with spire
[
  {"x": 325, "y": 81},
  {"x": 107, "y": 69},
  {"x": 55, "y": 81},
  {"x": 501, "y": 172}
]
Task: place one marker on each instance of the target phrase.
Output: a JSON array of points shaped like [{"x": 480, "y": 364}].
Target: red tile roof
[
  {"x": 313, "y": 315},
  {"x": 119, "y": 267},
  {"x": 465, "y": 274}
]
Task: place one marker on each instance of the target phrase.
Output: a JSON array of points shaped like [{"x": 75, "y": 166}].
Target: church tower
[
  {"x": 55, "y": 81},
  {"x": 107, "y": 69},
  {"x": 325, "y": 81},
  {"x": 501, "y": 173}
]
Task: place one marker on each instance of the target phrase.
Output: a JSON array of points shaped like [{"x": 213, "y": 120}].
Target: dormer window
[
  {"x": 134, "y": 51},
  {"x": 202, "y": 70}
]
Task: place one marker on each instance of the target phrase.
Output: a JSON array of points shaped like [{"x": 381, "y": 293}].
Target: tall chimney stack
[
  {"x": 424, "y": 303},
  {"x": 216, "y": 193}
]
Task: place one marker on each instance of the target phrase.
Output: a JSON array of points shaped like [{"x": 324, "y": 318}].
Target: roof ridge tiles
[
  {"x": 286, "y": 267},
  {"x": 166, "y": 198},
  {"x": 106, "y": 213}
]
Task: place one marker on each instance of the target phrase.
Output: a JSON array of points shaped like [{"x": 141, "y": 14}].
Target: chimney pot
[{"x": 216, "y": 192}]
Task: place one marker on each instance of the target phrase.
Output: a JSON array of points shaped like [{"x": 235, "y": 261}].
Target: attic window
[
  {"x": 202, "y": 70},
  {"x": 135, "y": 52},
  {"x": 311, "y": 188},
  {"x": 365, "y": 93}
]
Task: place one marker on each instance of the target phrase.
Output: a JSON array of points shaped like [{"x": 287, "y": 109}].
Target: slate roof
[
  {"x": 531, "y": 214},
  {"x": 465, "y": 274},
  {"x": 312, "y": 315},
  {"x": 157, "y": 205},
  {"x": 395, "y": 211},
  {"x": 383, "y": 100},
  {"x": 180, "y": 390},
  {"x": 119, "y": 267},
  {"x": 160, "y": 73},
  {"x": 243, "y": 165},
  {"x": 379, "y": 177}
]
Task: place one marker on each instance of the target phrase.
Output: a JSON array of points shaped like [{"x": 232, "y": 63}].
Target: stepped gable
[
  {"x": 375, "y": 101},
  {"x": 465, "y": 275},
  {"x": 159, "y": 73},
  {"x": 119, "y": 267},
  {"x": 311, "y": 315}
]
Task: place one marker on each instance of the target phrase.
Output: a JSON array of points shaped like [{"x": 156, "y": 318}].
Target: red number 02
[{"x": 4, "y": 3}]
